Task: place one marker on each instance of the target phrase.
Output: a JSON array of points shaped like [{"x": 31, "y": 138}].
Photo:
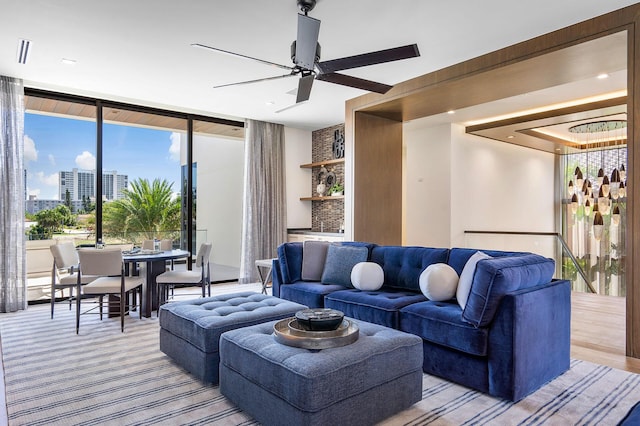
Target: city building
[{"x": 81, "y": 184}]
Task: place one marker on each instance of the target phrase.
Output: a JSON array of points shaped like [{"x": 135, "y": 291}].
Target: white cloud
[
  {"x": 86, "y": 161},
  {"x": 30, "y": 151},
  {"x": 174, "y": 149},
  {"x": 52, "y": 160},
  {"x": 51, "y": 180}
]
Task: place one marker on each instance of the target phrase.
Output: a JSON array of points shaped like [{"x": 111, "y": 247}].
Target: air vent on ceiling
[{"x": 24, "y": 47}]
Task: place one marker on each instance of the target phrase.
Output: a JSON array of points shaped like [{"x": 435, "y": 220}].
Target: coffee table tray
[{"x": 288, "y": 332}]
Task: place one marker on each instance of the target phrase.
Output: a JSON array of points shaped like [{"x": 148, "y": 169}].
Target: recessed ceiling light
[
  {"x": 510, "y": 137},
  {"x": 603, "y": 75},
  {"x": 68, "y": 61},
  {"x": 451, "y": 111},
  {"x": 270, "y": 103}
]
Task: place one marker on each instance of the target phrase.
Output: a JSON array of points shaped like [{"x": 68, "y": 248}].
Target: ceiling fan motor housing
[
  {"x": 293, "y": 52},
  {"x": 306, "y": 5}
]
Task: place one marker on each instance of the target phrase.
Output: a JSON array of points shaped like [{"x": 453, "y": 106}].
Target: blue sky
[{"x": 54, "y": 144}]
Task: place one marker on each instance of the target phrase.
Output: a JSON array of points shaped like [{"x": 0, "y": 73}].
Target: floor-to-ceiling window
[{"x": 100, "y": 170}]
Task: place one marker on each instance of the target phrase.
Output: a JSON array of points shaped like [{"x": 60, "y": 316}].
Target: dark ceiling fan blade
[
  {"x": 254, "y": 81},
  {"x": 304, "y": 88},
  {"x": 372, "y": 58},
  {"x": 226, "y": 52},
  {"x": 308, "y": 30},
  {"x": 358, "y": 83}
]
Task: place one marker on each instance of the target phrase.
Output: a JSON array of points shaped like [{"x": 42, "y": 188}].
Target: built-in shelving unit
[
  {"x": 328, "y": 197},
  {"x": 322, "y": 163}
]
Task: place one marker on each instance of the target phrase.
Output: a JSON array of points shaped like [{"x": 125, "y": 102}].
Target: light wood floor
[{"x": 598, "y": 331}]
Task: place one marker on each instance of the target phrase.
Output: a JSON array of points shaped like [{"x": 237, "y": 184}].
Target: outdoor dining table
[{"x": 155, "y": 265}]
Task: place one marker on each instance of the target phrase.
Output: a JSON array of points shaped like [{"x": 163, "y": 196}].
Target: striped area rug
[{"x": 104, "y": 376}]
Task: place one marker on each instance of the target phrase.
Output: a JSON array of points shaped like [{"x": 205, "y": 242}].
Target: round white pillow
[
  {"x": 438, "y": 282},
  {"x": 367, "y": 276}
]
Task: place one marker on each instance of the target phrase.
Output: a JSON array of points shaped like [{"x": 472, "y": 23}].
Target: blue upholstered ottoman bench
[
  {"x": 190, "y": 330},
  {"x": 365, "y": 382}
]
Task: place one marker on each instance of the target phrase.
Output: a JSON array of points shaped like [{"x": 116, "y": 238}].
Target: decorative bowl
[{"x": 319, "y": 319}]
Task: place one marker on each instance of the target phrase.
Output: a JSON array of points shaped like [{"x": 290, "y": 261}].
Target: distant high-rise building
[{"x": 82, "y": 183}]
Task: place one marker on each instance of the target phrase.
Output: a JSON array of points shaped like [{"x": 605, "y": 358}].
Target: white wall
[
  {"x": 220, "y": 176},
  {"x": 427, "y": 185},
  {"x": 492, "y": 186},
  {"x": 298, "y": 181}
]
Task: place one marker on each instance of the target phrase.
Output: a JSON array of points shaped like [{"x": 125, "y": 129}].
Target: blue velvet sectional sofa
[{"x": 512, "y": 337}]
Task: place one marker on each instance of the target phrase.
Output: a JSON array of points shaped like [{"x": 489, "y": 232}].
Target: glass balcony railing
[{"x": 589, "y": 273}]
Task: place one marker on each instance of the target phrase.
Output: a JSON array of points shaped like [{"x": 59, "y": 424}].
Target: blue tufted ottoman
[
  {"x": 190, "y": 330},
  {"x": 362, "y": 383}
]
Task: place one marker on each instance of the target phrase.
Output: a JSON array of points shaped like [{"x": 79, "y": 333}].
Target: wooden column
[{"x": 377, "y": 166}]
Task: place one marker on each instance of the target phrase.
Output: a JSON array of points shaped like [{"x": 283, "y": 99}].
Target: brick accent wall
[{"x": 326, "y": 216}]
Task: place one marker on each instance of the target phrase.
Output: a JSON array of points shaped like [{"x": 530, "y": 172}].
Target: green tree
[
  {"x": 146, "y": 208},
  {"x": 50, "y": 221},
  {"x": 67, "y": 200}
]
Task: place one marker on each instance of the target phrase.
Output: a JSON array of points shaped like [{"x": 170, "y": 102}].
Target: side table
[{"x": 265, "y": 278}]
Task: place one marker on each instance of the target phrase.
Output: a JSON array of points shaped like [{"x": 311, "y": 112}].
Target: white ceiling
[{"x": 139, "y": 51}]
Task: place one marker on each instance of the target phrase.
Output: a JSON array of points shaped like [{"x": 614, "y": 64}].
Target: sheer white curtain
[
  {"x": 265, "y": 212},
  {"x": 13, "y": 280}
]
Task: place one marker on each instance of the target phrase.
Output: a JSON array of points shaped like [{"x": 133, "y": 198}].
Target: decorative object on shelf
[
  {"x": 600, "y": 135},
  {"x": 330, "y": 180},
  {"x": 320, "y": 189},
  {"x": 338, "y": 144},
  {"x": 336, "y": 189}
]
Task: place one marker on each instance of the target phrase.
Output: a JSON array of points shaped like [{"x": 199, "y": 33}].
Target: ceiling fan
[{"x": 305, "y": 54}]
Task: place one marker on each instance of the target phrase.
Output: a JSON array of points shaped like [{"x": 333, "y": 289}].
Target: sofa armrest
[
  {"x": 276, "y": 278},
  {"x": 529, "y": 339}
]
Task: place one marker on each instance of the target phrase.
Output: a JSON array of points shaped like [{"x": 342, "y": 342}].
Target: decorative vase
[{"x": 320, "y": 189}]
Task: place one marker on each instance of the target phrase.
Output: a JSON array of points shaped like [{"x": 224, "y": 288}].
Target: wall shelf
[
  {"x": 329, "y": 197},
  {"x": 322, "y": 163}
]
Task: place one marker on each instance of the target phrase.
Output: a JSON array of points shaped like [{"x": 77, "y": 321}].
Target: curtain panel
[
  {"x": 13, "y": 280},
  {"x": 264, "y": 212}
]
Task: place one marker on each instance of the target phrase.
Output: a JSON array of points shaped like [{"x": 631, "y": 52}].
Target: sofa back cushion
[
  {"x": 458, "y": 257},
  {"x": 314, "y": 255},
  {"x": 403, "y": 265},
  {"x": 340, "y": 262},
  {"x": 501, "y": 275},
  {"x": 290, "y": 257}
]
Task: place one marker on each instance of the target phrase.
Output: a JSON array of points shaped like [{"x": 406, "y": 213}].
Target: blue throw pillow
[{"x": 340, "y": 261}]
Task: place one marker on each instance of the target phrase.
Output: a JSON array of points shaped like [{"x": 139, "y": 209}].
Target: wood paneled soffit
[{"x": 577, "y": 62}]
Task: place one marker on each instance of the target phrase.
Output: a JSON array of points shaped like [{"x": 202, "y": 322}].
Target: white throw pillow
[
  {"x": 438, "y": 282},
  {"x": 466, "y": 277},
  {"x": 367, "y": 276}
]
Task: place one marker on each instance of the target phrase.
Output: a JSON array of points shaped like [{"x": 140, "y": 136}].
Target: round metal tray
[{"x": 290, "y": 333}]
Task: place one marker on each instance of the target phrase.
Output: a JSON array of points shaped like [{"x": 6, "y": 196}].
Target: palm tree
[{"x": 147, "y": 209}]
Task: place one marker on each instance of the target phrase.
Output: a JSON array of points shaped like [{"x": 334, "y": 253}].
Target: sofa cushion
[
  {"x": 438, "y": 282},
  {"x": 308, "y": 293},
  {"x": 367, "y": 276},
  {"x": 340, "y": 261},
  {"x": 403, "y": 265},
  {"x": 498, "y": 276},
  {"x": 314, "y": 255},
  {"x": 458, "y": 257},
  {"x": 441, "y": 323},
  {"x": 379, "y": 307},
  {"x": 466, "y": 277}
]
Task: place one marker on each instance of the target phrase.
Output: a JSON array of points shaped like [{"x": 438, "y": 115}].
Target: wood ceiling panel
[{"x": 63, "y": 108}]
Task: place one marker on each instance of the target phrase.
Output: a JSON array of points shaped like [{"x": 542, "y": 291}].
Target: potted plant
[{"x": 336, "y": 189}]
